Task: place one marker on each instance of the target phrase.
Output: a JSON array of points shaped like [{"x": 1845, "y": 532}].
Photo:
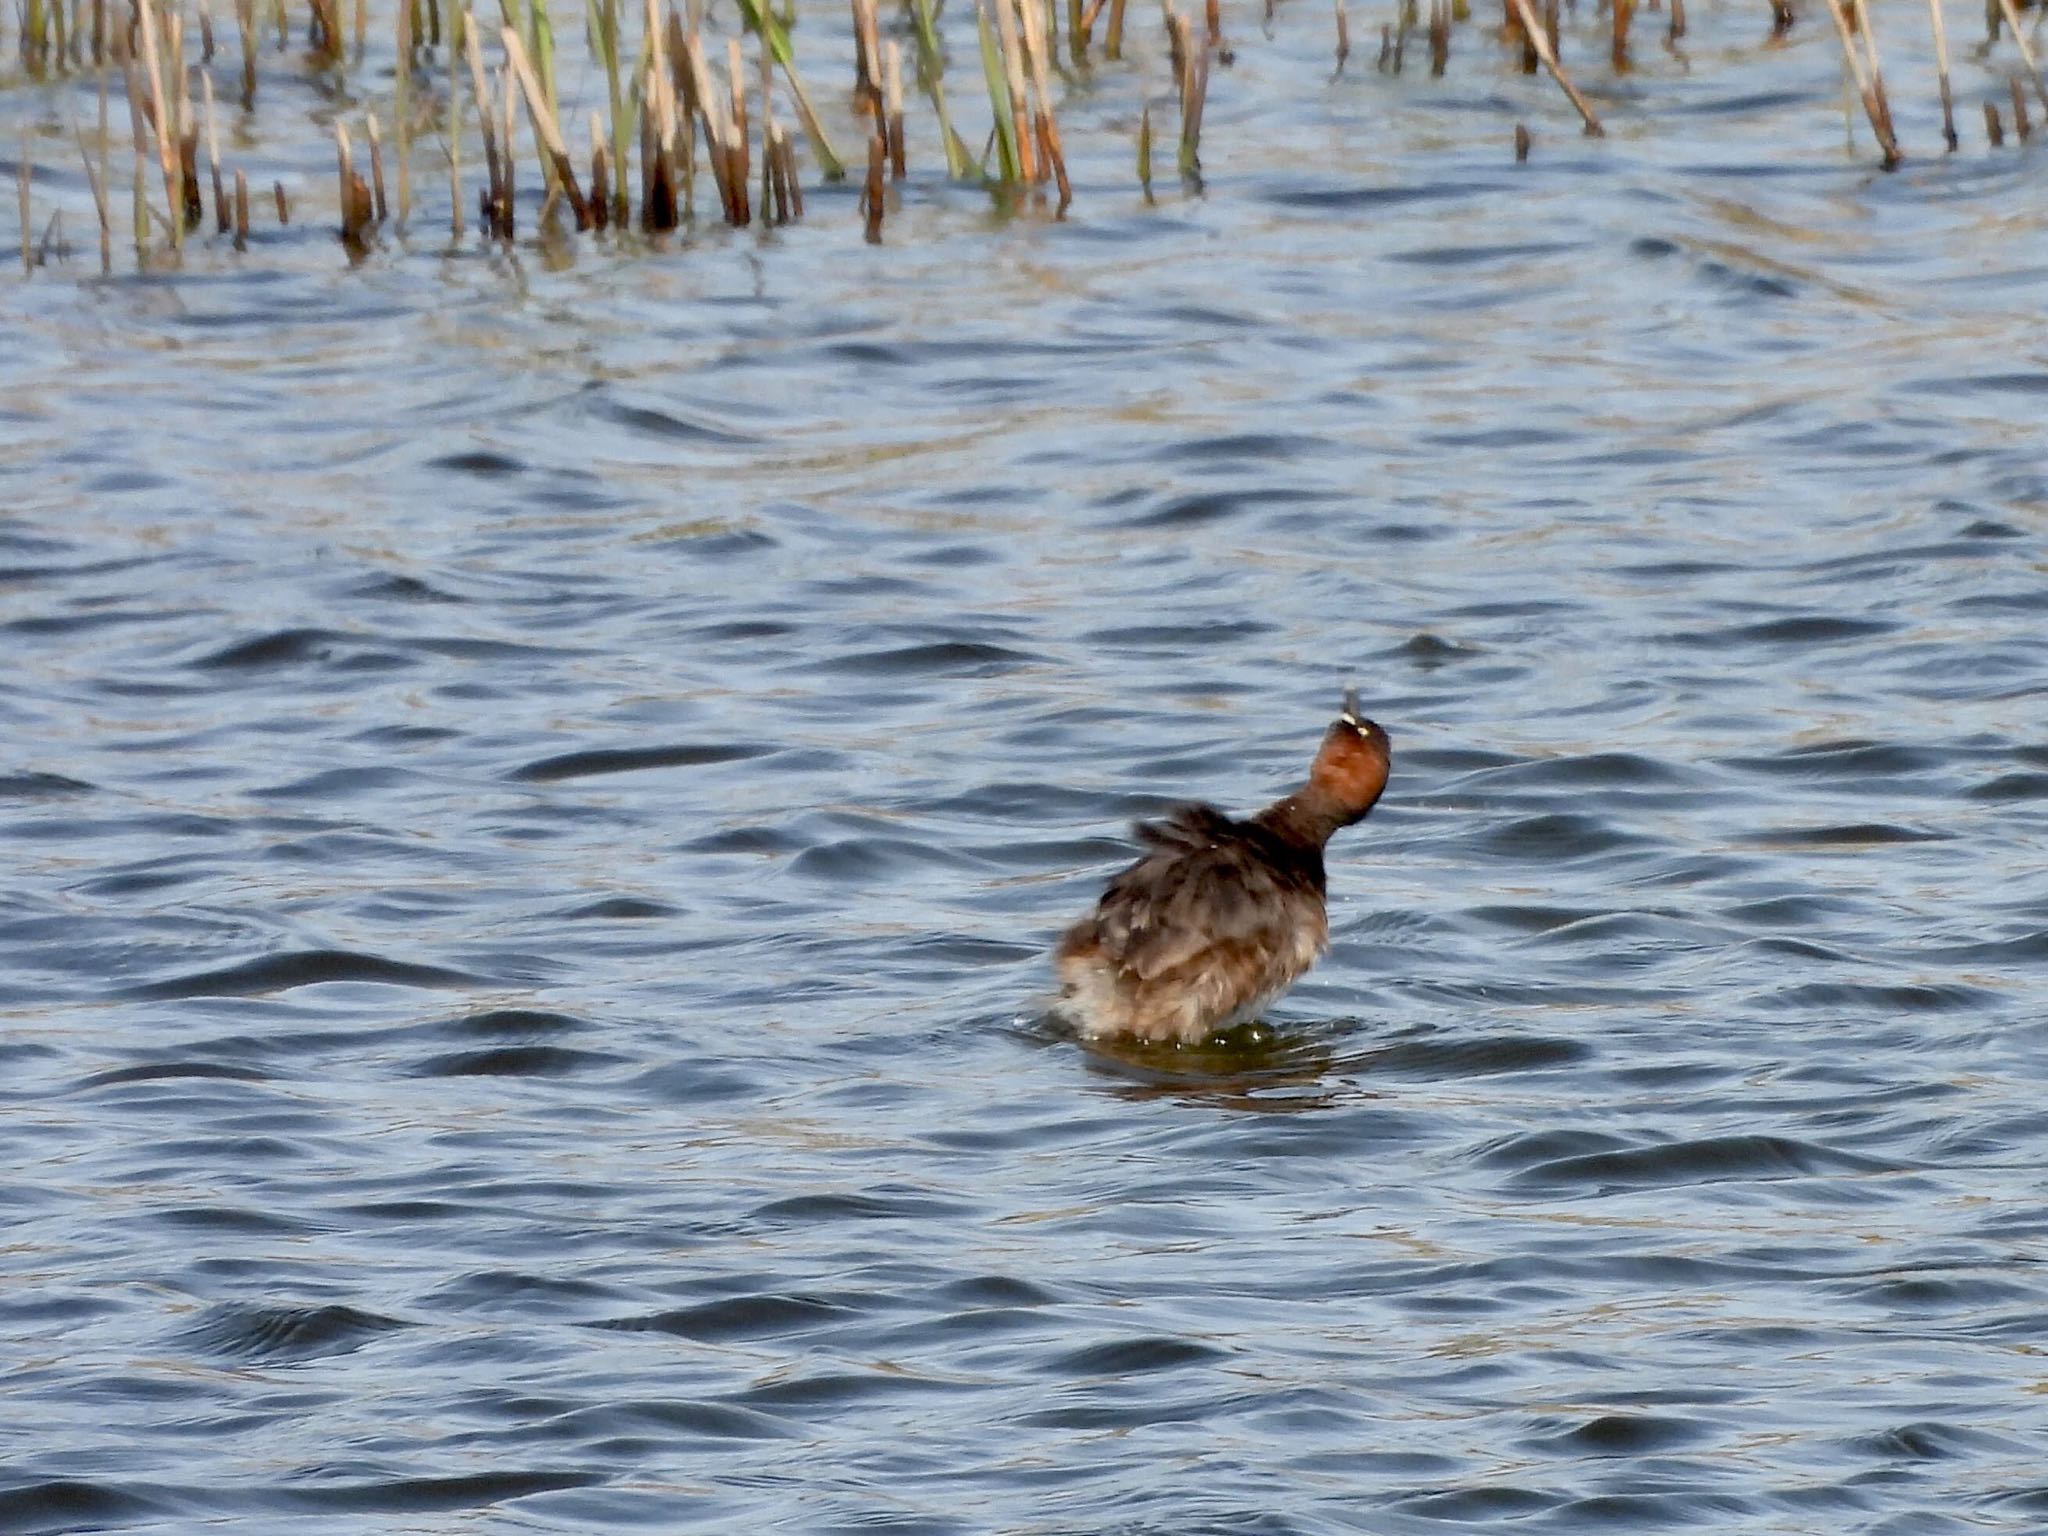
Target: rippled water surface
[{"x": 537, "y": 788}]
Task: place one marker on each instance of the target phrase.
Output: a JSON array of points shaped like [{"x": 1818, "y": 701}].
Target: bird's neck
[{"x": 1305, "y": 819}]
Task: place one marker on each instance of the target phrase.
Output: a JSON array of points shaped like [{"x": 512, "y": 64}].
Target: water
[{"x": 537, "y": 791}]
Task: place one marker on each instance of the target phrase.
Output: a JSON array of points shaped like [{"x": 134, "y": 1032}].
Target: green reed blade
[
  {"x": 930, "y": 66},
  {"x": 759, "y": 18},
  {"x": 998, "y": 98}
]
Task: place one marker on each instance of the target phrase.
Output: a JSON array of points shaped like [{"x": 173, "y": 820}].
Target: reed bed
[{"x": 688, "y": 125}]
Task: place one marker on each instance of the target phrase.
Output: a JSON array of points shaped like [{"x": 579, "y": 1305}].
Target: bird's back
[{"x": 1213, "y": 920}]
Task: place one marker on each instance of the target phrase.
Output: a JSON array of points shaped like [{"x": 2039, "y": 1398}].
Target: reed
[
  {"x": 1522, "y": 143},
  {"x": 1622, "y": 13},
  {"x": 1145, "y": 150},
  {"x": 892, "y": 69},
  {"x": 796, "y": 187},
  {"x": 284, "y": 204},
  {"x": 158, "y": 112},
  {"x": 930, "y": 69},
  {"x": 493, "y": 212},
  {"x": 1013, "y": 83},
  {"x": 401, "y": 111},
  {"x": 1045, "y": 126},
  {"x": 1869, "y": 89},
  {"x": 245, "y": 25},
  {"x": 738, "y": 171},
  {"x": 867, "y": 59},
  {"x": 373, "y": 131},
  {"x": 1994, "y": 130},
  {"x": 547, "y": 132},
  {"x": 24, "y": 175},
  {"x": 600, "y": 176},
  {"x": 2019, "y": 38},
  {"x": 1194, "y": 95},
  {"x": 356, "y": 210},
  {"x": 184, "y": 129},
  {"x": 1439, "y": 37},
  {"x": 1948, "y": 101},
  {"x": 2022, "y": 125},
  {"x": 1009, "y": 165},
  {"x": 1113, "y": 39},
  {"x": 1540, "y": 41},
  {"x": 1343, "y": 36},
  {"x": 605, "y": 14},
  {"x": 96, "y": 178},
  {"x": 452, "y": 126},
  {"x": 508, "y": 113},
  {"x": 242, "y": 211},
  {"x": 871, "y": 193},
  {"x": 1677, "y": 28},
  {"x": 759, "y": 18},
  {"x": 220, "y": 198}
]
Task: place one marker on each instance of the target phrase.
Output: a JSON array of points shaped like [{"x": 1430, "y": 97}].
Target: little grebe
[{"x": 1219, "y": 917}]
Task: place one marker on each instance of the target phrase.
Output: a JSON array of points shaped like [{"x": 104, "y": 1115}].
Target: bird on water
[{"x": 1218, "y": 917}]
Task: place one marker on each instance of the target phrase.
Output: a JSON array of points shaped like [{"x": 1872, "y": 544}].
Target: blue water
[{"x": 537, "y": 790}]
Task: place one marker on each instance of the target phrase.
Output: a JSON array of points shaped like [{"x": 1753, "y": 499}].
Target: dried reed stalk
[
  {"x": 1948, "y": 101},
  {"x": 1994, "y": 130},
  {"x": 355, "y": 196},
  {"x": 1009, "y": 153},
  {"x": 284, "y": 205},
  {"x": 2021, "y": 123},
  {"x": 1194, "y": 97},
  {"x": 2019, "y": 38},
  {"x": 600, "y": 175},
  {"x": 1873, "y": 104},
  {"x": 1677, "y": 28},
  {"x": 1145, "y": 150},
  {"x": 738, "y": 170},
  {"x": 373, "y": 131},
  {"x": 1439, "y": 37},
  {"x": 1540, "y": 41},
  {"x": 245, "y": 25},
  {"x": 1013, "y": 80},
  {"x": 547, "y": 133},
  {"x": 401, "y": 110},
  {"x": 494, "y": 205},
  {"x": 241, "y": 212},
  {"x": 1623, "y": 12},
  {"x": 1051, "y": 153},
  {"x": 892, "y": 68},
  {"x": 158, "y": 115},
  {"x": 605, "y": 32},
  {"x": 867, "y": 60},
  {"x": 452, "y": 126},
  {"x": 1522, "y": 142},
  {"x": 191, "y": 208},
  {"x": 1113, "y": 40},
  {"x": 24, "y": 173},
  {"x": 871, "y": 194},
  {"x": 1343, "y": 36},
  {"x": 96, "y": 178},
  {"x": 787, "y": 148},
  {"x": 508, "y": 115},
  {"x": 759, "y": 15},
  {"x": 930, "y": 67},
  {"x": 220, "y": 199}
]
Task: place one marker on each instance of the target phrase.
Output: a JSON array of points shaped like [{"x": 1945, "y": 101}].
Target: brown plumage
[{"x": 1218, "y": 917}]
